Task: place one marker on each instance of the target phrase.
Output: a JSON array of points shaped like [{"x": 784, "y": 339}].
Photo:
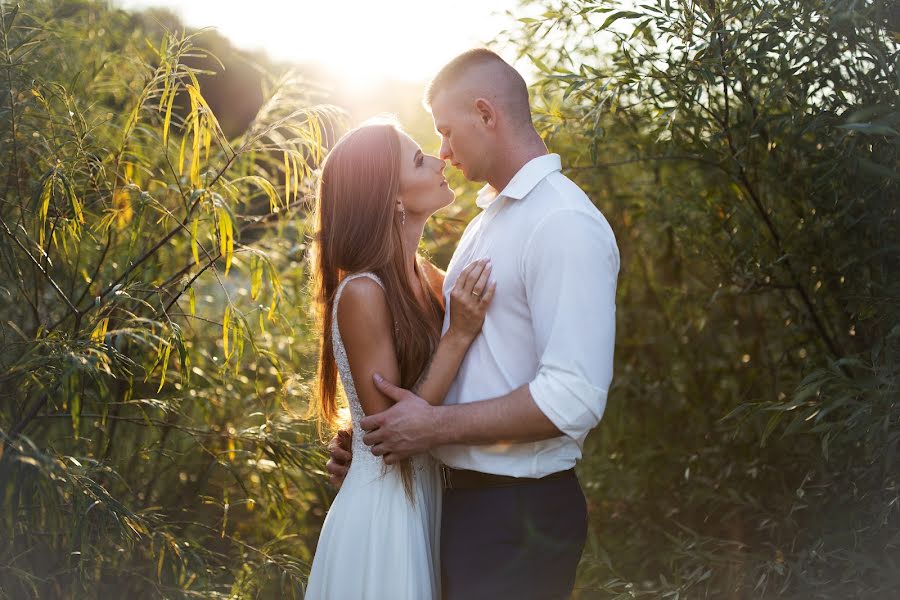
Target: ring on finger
[{"x": 476, "y": 294}]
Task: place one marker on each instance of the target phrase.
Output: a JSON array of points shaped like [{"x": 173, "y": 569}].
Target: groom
[{"x": 534, "y": 383}]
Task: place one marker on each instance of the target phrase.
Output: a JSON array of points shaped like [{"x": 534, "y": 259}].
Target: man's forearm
[{"x": 513, "y": 418}]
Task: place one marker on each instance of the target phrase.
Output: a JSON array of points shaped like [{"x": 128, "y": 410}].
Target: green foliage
[
  {"x": 746, "y": 155},
  {"x": 154, "y": 317}
]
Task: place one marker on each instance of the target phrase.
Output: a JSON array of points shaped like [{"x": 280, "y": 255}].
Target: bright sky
[{"x": 360, "y": 41}]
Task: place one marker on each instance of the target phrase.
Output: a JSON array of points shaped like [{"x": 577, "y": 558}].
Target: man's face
[{"x": 463, "y": 142}]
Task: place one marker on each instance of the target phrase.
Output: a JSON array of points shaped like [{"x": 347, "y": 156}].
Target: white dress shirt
[{"x": 551, "y": 324}]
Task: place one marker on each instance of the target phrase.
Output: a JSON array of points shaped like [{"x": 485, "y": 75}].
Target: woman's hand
[
  {"x": 341, "y": 453},
  {"x": 470, "y": 298}
]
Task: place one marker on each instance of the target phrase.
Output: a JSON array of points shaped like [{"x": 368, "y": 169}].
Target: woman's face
[{"x": 423, "y": 189}]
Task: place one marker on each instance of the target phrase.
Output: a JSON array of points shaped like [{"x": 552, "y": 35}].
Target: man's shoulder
[
  {"x": 563, "y": 199},
  {"x": 566, "y": 193}
]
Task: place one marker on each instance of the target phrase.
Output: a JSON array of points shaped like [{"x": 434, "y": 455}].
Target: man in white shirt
[{"x": 535, "y": 382}]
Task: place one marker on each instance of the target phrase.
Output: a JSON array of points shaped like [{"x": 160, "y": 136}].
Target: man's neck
[{"x": 516, "y": 156}]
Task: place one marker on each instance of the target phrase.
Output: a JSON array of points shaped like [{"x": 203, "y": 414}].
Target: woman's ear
[{"x": 486, "y": 112}]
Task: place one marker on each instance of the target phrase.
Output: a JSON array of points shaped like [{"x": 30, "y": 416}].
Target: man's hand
[
  {"x": 339, "y": 448},
  {"x": 405, "y": 429}
]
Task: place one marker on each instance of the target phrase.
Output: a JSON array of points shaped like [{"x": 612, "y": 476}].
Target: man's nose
[{"x": 445, "y": 152}]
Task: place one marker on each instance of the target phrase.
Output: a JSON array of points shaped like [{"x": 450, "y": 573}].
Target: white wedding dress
[{"x": 376, "y": 543}]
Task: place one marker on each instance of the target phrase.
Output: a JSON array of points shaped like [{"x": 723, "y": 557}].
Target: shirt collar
[{"x": 525, "y": 180}]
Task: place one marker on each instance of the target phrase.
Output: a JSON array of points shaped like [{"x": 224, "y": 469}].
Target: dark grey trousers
[{"x": 522, "y": 541}]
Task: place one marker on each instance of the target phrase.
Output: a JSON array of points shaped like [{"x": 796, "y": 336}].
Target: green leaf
[
  {"x": 539, "y": 63},
  {"x": 870, "y": 128},
  {"x": 622, "y": 14},
  {"x": 226, "y": 330},
  {"x": 165, "y": 366},
  {"x": 9, "y": 17},
  {"x": 266, "y": 186}
]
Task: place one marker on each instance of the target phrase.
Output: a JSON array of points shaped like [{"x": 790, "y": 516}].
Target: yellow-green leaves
[
  {"x": 266, "y": 186},
  {"x": 99, "y": 332},
  {"x": 46, "y": 193},
  {"x": 165, "y": 365},
  {"x": 195, "y": 225},
  {"x": 194, "y": 119},
  {"x": 168, "y": 119},
  {"x": 225, "y": 228},
  {"x": 226, "y": 331},
  {"x": 287, "y": 178},
  {"x": 256, "y": 273},
  {"x": 52, "y": 183}
]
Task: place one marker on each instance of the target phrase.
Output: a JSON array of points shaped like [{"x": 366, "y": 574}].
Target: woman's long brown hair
[{"x": 358, "y": 229}]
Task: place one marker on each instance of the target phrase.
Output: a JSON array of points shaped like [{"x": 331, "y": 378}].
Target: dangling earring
[{"x": 402, "y": 215}]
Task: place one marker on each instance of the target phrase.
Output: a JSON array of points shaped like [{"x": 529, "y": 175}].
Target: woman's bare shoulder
[{"x": 363, "y": 303}]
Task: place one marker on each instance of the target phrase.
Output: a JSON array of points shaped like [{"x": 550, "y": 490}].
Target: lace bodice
[{"x": 362, "y": 454}]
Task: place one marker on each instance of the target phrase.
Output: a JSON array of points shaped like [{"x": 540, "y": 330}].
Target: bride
[{"x": 379, "y": 309}]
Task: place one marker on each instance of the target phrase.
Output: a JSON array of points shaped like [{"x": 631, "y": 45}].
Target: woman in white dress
[{"x": 380, "y": 310}]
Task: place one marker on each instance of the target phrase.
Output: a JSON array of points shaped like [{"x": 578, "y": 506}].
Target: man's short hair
[{"x": 453, "y": 71}]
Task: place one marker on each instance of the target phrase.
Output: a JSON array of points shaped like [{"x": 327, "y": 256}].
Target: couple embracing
[{"x": 470, "y": 393}]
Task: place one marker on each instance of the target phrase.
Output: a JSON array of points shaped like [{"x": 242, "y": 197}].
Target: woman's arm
[
  {"x": 469, "y": 300},
  {"x": 366, "y": 326}
]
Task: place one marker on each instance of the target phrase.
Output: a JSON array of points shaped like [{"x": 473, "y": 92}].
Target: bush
[
  {"x": 745, "y": 154},
  {"x": 154, "y": 317}
]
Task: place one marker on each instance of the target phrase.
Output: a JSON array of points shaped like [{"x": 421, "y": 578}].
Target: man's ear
[{"x": 486, "y": 112}]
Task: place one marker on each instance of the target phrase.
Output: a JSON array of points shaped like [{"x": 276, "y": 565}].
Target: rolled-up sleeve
[{"x": 570, "y": 268}]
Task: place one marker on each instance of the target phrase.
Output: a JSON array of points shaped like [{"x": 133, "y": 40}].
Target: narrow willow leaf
[
  {"x": 226, "y": 236},
  {"x": 44, "y": 204},
  {"x": 295, "y": 169},
  {"x": 239, "y": 339},
  {"x": 165, "y": 366},
  {"x": 272, "y": 306},
  {"x": 183, "y": 356},
  {"x": 99, "y": 332},
  {"x": 193, "y": 302},
  {"x": 195, "y": 225},
  {"x": 159, "y": 563},
  {"x": 194, "y": 118},
  {"x": 9, "y": 17},
  {"x": 167, "y": 85},
  {"x": 256, "y": 273},
  {"x": 74, "y": 202},
  {"x": 181, "y": 155},
  {"x": 226, "y": 326},
  {"x": 133, "y": 117},
  {"x": 276, "y": 291},
  {"x": 168, "y": 120},
  {"x": 266, "y": 186},
  {"x": 287, "y": 179},
  {"x": 207, "y": 141},
  {"x": 539, "y": 64}
]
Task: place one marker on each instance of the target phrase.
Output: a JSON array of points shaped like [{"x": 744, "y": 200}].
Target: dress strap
[{"x": 340, "y": 289}]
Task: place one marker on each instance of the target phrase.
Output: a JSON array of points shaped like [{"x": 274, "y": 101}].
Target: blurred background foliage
[{"x": 155, "y": 341}]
